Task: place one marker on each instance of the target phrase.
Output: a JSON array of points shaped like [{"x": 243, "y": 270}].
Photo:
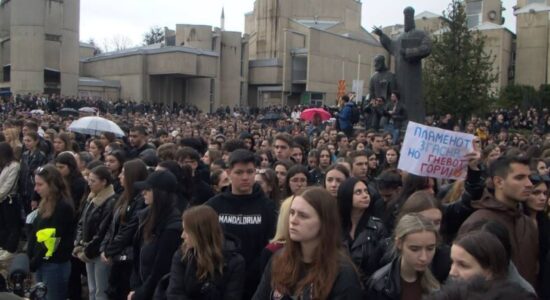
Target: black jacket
[
  {"x": 184, "y": 283},
  {"x": 251, "y": 219},
  {"x": 79, "y": 186},
  {"x": 94, "y": 222},
  {"x": 346, "y": 286},
  {"x": 152, "y": 259},
  {"x": 385, "y": 284},
  {"x": 202, "y": 191},
  {"x": 364, "y": 249},
  {"x": 117, "y": 243},
  {"x": 62, "y": 220}
]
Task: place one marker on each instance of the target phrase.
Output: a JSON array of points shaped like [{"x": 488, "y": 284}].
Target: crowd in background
[{"x": 259, "y": 204}]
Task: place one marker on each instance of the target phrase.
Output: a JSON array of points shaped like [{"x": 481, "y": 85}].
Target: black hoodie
[{"x": 251, "y": 219}]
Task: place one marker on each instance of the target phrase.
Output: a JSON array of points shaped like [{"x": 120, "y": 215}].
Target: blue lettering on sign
[
  {"x": 413, "y": 153},
  {"x": 441, "y": 138}
]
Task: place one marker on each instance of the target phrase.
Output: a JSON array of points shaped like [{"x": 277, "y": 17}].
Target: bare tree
[{"x": 117, "y": 42}]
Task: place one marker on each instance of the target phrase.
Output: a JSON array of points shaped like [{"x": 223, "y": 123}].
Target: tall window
[{"x": 473, "y": 12}]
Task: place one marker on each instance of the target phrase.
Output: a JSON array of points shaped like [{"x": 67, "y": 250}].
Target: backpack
[{"x": 355, "y": 114}]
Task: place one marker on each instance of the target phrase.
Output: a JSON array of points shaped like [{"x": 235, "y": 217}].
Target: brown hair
[
  {"x": 134, "y": 170},
  {"x": 66, "y": 138},
  {"x": 202, "y": 225},
  {"x": 419, "y": 202},
  {"x": 288, "y": 269},
  {"x": 59, "y": 191},
  {"x": 487, "y": 250}
]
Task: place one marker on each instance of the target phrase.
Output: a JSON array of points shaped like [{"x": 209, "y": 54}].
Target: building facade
[
  {"x": 299, "y": 50},
  {"x": 39, "y": 46}
]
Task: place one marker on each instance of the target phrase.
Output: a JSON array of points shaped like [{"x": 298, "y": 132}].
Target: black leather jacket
[
  {"x": 385, "y": 284},
  {"x": 365, "y": 250},
  {"x": 117, "y": 243}
]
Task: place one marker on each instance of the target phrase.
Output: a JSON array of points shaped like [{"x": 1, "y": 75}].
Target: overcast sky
[{"x": 104, "y": 19}]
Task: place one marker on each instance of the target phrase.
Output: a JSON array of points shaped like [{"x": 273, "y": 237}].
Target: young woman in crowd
[
  {"x": 279, "y": 240},
  {"x": 392, "y": 158},
  {"x": 96, "y": 149},
  {"x": 114, "y": 161},
  {"x": 92, "y": 227},
  {"x": 478, "y": 253},
  {"x": 281, "y": 168},
  {"x": 33, "y": 158},
  {"x": 296, "y": 180},
  {"x": 67, "y": 166},
  {"x": 116, "y": 248},
  {"x": 425, "y": 204},
  {"x": 184, "y": 175},
  {"x": 158, "y": 235},
  {"x": 311, "y": 265},
  {"x": 219, "y": 180},
  {"x": 61, "y": 142},
  {"x": 52, "y": 234},
  {"x": 208, "y": 266},
  {"x": 267, "y": 179},
  {"x": 12, "y": 137},
  {"x": 10, "y": 202},
  {"x": 408, "y": 276},
  {"x": 536, "y": 207},
  {"x": 336, "y": 174},
  {"x": 325, "y": 159},
  {"x": 362, "y": 232}
]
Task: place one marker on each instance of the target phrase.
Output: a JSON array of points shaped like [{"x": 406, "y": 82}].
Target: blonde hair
[
  {"x": 282, "y": 221},
  {"x": 415, "y": 223},
  {"x": 12, "y": 137}
]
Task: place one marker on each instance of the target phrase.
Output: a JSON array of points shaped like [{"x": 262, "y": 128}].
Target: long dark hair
[
  {"x": 134, "y": 170},
  {"x": 184, "y": 175},
  {"x": 345, "y": 201},
  {"x": 6, "y": 155},
  {"x": 487, "y": 250},
  {"x": 293, "y": 171},
  {"x": 68, "y": 159},
  {"x": 164, "y": 203},
  {"x": 59, "y": 190}
]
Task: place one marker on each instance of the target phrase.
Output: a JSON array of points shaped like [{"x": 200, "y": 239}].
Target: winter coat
[
  {"x": 56, "y": 236},
  {"x": 252, "y": 219},
  {"x": 94, "y": 222},
  {"x": 184, "y": 283},
  {"x": 117, "y": 243},
  {"x": 346, "y": 286},
  {"x": 523, "y": 233},
  {"x": 8, "y": 180},
  {"x": 364, "y": 248},
  {"x": 385, "y": 284},
  {"x": 152, "y": 259},
  {"x": 344, "y": 117}
]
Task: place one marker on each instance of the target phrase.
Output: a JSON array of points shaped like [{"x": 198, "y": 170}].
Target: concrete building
[
  {"x": 197, "y": 65},
  {"x": 533, "y": 42},
  {"x": 39, "y": 46},
  {"x": 299, "y": 50}
]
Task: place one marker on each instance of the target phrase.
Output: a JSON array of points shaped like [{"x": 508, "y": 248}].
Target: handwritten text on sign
[{"x": 435, "y": 152}]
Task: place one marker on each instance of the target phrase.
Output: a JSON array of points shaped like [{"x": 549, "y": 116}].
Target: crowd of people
[{"x": 233, "y": 206}]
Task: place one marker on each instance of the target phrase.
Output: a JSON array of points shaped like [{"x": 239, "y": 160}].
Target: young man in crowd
[
  {"x": 245, "y": 212},
  {"x": 512, "y": 187}
]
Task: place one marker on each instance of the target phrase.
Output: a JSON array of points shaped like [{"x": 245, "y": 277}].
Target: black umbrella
[
  {"x": 271, "y": 117},
  {"x": 68, "y": 112}
]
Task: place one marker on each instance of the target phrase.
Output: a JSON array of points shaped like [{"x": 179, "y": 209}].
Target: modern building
[
  {"x": 299, "y": 50},
  {"x": 533, "y": 42},
  {"x": 197, "y": 65},
  {"x": 39, "y": 46}
]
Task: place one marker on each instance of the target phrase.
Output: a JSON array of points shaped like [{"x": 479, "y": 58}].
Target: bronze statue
[
  {"x": 409, "y": 48},
  {"x": 383, "y": 82}
]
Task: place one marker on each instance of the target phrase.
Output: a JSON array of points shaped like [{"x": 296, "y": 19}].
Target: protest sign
[{"x": 434, "y": 152}]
